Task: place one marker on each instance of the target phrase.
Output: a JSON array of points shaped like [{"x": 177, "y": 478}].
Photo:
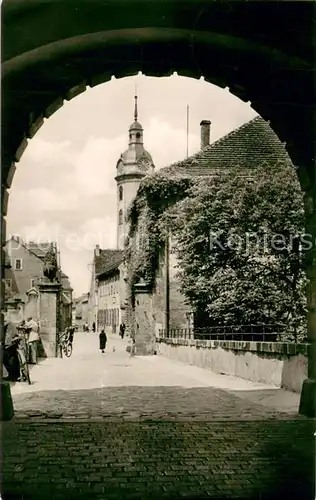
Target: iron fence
[{"x": 260, "y": 333}]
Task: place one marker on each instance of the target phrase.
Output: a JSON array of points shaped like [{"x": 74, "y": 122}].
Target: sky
[{"x": 64, "y": 188}]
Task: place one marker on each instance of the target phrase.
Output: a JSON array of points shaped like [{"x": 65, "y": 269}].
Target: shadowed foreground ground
[{"x": 159, "y": 459}]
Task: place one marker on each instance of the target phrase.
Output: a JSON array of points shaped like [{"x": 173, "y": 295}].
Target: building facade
[
  {"x": 24, "y": 271},
  {"x": 81, "y": 311},
  {"x": 112, "y": 298}
]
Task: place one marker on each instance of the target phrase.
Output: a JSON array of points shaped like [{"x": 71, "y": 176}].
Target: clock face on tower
[{"x": 143, "y": 164}]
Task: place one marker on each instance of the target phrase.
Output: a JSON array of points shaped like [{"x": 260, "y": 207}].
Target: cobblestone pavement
[
  {"x": 111, "y": 426},
  {"x": 153, "y": 460},
  {"x": 115, "y": 385}
]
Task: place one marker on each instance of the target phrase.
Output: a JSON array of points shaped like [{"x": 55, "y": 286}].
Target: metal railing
[{"x": 260, "y": 333}]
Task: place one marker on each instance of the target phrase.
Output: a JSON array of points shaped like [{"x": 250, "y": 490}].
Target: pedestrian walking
[
  {"x": 122, "y": 330},
  {"x": 103, "y": 340},
  {"x": 93, "y": 327},
  {"x": 31, "y": 326}
]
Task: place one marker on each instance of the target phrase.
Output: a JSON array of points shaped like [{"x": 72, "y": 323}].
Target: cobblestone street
[
  {"x": 114, "y": 384},
  {"x": 114, "y": 426}
]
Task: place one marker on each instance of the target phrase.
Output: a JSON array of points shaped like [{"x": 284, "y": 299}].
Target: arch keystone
[
  {"x": 35, "y": 126},
  {"x": 20, "y": 150},
  {"x": 9, "y": 178},
  {"x": 98, "y": 79},
  {"x": 76, "y": 90},
  {"x": 57, "y": 104},
  {"x": 5, "y": 201}
]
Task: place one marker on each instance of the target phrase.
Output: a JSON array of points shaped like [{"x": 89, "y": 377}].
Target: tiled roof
[
  {"x": 39, "y": 249},
  {"x": 82, "y": 298},
  {"x": 245, "y": 147},
  {"x": 107, "y": 261}
]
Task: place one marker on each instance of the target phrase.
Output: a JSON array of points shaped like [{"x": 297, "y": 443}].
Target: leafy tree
[{"x": 237, "y": 243}]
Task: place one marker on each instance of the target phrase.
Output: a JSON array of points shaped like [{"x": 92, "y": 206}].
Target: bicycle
[{"x": 65, "y": 344}]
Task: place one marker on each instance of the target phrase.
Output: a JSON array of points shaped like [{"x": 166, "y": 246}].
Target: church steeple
[
  {"x": 135, "y": 109},
  {"x": 131, "y": 167},
  {"x": 135, "y": 130}
]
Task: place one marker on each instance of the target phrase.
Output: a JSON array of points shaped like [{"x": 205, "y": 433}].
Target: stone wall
[
  {"x": 145, "y": 326},
  {"x": 277, "y": 363},
  {"x": 178, "y": 310}
]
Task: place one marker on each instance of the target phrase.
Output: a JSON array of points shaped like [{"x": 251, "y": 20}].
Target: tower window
[
  {"x": 121, "y": 217},
  {"x": 121, "y": 193},
  {"x": 137, "y": 135}
]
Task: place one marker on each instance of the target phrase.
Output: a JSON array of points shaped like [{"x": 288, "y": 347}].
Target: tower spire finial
[{"x": 135, "y": 109}]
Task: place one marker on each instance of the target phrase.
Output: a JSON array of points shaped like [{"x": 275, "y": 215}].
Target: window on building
[
  {"x": 18, "y": 264},
  {"x": 121, "y": 193},
  {"x": 8, "y": 284},
  {"x": 33, "y": 282},
  {"x": 121, "y": 217}
]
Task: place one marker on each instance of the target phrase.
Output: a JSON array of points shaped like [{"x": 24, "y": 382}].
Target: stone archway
[{"x": 261, "y": 51}]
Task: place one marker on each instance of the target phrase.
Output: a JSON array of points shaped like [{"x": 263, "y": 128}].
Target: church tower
[{"x": 131, "y": 167}]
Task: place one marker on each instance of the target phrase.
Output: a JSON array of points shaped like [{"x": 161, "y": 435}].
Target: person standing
[
  {"x": 70, "y": 331},
  {"x": 93, "y": 327},
  {"x": 10, "y": 351},
  {"x": 103, "y": 340},
  {"x": 31, "y": 326}
]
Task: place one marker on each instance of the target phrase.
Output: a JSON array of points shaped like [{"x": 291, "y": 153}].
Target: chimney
[
  {"x": 97, "y": 250},
  {"x": 205, "y": 133}
]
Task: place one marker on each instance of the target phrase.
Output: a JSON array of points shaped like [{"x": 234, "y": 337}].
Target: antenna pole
[{"x": 187, "y": 131}]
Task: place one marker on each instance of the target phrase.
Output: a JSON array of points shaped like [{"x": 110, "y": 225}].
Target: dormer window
[
  {"x": 121, "y": 193},
  {"x": 121, "y": 217}
]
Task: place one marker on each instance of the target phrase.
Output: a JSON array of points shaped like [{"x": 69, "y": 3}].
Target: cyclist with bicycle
[{"x": 66, "y": 340}]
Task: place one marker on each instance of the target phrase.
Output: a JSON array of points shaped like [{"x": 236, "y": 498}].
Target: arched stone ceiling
[{"x": 262, "y": 51}]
